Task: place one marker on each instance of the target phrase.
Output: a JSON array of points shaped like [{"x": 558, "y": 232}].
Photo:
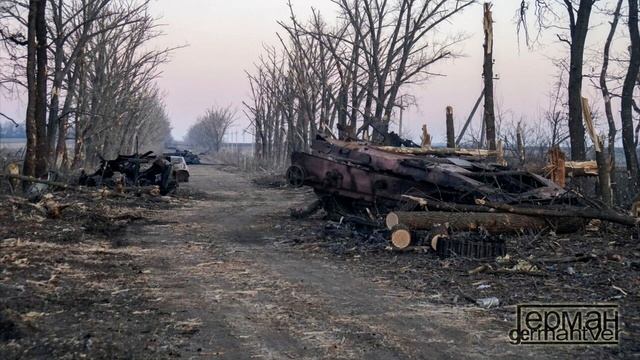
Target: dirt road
[
  {"x": 237, "y": 294},
  {"x": 221, "y": 271}
]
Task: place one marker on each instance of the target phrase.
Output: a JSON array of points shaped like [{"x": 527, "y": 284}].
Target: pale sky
[{"x": 226, "y": 37}]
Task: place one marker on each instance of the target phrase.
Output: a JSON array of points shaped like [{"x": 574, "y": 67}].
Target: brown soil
[{"x": 227, "y": 274}]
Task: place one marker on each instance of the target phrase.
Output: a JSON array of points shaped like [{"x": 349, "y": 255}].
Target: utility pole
[
  {"x": 473, "y": 112},
  {"x": 489, "y": 120}
]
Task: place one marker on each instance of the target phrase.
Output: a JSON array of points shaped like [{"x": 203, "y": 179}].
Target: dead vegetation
[
  {"x": 68, "y": 275},
  {"x": 598, "y": 266}
]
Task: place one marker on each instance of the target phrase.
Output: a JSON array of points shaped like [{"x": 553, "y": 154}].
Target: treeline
[
  {"x": 88, "y": 69},
  {"x": 13, "y": 131},
  {"x": 348, "y": 78},
  {"x": 209, "y": 130}
]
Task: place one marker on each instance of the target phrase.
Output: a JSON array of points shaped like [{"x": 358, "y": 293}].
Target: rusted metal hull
[{"x": 362, "y": 174}]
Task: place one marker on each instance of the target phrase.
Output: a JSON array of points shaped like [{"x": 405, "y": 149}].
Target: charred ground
[{"x": 222, "y": 271}]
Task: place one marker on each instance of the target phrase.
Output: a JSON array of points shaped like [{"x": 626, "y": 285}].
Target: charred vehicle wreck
[
  {"x": 415, "y": 191},
  {"x": 133, "y": 170}
]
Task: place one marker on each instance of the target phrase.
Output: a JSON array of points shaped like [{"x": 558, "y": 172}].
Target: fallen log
[
  {"x": 439, "y": 151},
  {"x": 484, "y": 206},
  {"x": 47, "y": 207},
  {"x": 138, "y": 190},
  {"x": 46, "y": 182},
  {"x": 566, "y": 212},
  {"x": 494, "y": 223}
]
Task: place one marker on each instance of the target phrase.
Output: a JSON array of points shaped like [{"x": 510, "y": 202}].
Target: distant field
[{"x": 16, "y": 144}]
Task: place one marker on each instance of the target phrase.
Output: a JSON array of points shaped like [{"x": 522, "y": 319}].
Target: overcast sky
[{"x": 224, "y": 38}]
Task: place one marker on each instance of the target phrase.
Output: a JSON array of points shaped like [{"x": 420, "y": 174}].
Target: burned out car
[
  {"x": 189, "y": 157},
  {"x": 180, "y": 168},
  {"x": 133, "y": 171}
]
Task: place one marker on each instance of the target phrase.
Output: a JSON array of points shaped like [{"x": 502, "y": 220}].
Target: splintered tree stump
[
  {"x": 436, "y": 234},
  {"x": 494, "y": 223},
  {"x": 401, "y": 237}
]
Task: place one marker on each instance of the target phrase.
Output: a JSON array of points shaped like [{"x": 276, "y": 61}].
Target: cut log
[
  {"x": 46, "y": 182},
  {"x": 494, "y": 223},
  {"x": 53, "y": 208},
  {"x": 401, "y": 237},
  {"x": 437, "y": 233},
  {"x": 13, "y": 169},
  {"x": 392, "y": 220}
]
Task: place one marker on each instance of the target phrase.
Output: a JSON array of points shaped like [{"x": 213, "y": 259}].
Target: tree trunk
[
  {"x": 627, "y": 96},
  {"x": 520, "y": 144},
  {"x": 604, "y": 176},
  {"x": 489, "y": 109},
  {"x": 54, "y": 103},
  {"x": 578, "y": 38},
  {"x": 607, "y": 96},
  {"x": 29, "y": 167},
  {"x": 604, "y": 181},
  {"x": 42, "y": 150},
  {"x": 63, "y": 125},
  {"x": 557, "y": 165}
]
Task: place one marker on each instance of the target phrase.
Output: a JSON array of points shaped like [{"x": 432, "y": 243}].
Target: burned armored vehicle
[{"x": 351, "y": 176}]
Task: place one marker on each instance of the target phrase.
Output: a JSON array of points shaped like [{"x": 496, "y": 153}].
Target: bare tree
[
  {"x": 209, "y": 131},
  {"x": 630, "y": 82},
  {"x": 29, "y": 167},
  {"x": 489, "y": 117},
  {"x": 576, "y": 23},
  {"x": 555, "y": 115},
  {"x": 87, "y": 69},
  {"x": 604, "y": 88},
  {"x": 345, "y": 79}
]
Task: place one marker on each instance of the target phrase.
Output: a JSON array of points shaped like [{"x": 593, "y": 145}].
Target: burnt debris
[{"x": 133, "y": 170}]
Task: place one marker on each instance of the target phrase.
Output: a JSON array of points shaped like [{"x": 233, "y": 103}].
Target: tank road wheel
[{"x": 295, "y": 176}]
